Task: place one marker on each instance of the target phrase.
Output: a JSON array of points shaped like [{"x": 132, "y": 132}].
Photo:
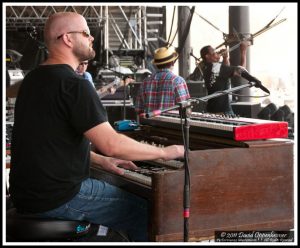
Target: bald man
[{"x": 57, "y": 115}]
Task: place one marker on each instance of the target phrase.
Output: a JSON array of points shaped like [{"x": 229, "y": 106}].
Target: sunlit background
[{"x": 273, "y": 55}]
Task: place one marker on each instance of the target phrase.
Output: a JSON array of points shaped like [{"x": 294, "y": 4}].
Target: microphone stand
[
  {"x": 185, "y": 109},
  {"x": 185, "y": 112},
  {"x": 125, "y": 91},
  {"x": 124, "y": 100}
]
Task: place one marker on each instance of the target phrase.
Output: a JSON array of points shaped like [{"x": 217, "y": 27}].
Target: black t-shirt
[
  {"x": 216, "y": 77},
  {"x": 50, "y": 155}
]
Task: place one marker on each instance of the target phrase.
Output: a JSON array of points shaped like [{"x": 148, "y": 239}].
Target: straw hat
[{"x": 164, "y": 55}]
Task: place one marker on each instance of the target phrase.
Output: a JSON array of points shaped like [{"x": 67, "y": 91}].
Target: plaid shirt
[{"x": 161, "y": 90}]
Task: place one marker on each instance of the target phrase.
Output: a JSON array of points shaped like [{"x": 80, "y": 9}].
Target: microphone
[
  {"x": 150, "y": 114},
  {"x": 257, "y": 84}
]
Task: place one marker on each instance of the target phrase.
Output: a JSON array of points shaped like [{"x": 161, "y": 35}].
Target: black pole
[
  {"x": 239, "y": 21},
  {"x": 185, "y": 15},
  {"x": 124, "y": 100},
  {"x": 185, "y": 113}
]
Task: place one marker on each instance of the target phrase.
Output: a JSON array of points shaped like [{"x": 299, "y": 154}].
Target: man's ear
[{"x": 67, "y": 40}]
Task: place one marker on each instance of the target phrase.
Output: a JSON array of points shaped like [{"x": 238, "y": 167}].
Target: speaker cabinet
[
  {"x": 197, "y": 89},
  {"x": 246, "y": 109}
]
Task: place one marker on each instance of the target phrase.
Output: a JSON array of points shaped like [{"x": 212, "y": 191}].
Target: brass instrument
[
  {"x": 252, "y": 36},
  {"x": 222, "y": 52}
]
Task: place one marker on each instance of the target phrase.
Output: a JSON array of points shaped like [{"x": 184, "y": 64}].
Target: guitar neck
[
  {"x": 103, "y": 94},
  {"x": 117, "y": 83}
]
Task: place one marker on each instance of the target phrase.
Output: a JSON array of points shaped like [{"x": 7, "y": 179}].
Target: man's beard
[{"x": 83, "y": 55}]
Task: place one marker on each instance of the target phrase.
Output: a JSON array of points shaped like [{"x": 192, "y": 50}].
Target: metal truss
[
  {"x": 27, "y": 16},
  {"x": 123, "y": 26}
]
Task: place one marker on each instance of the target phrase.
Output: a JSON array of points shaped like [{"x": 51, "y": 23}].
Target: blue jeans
[{"x": 101, "y": 203}]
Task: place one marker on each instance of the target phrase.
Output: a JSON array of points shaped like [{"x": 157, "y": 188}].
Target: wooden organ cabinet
[{"x": 235, "y": 184}]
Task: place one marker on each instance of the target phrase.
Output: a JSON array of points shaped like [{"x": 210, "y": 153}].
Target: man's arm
[
  {"x": 117, "y": 145},
  {"x": 242, "y": 66},
  {"x": 243, "y": 51},
  {"x": 225, "y": 55}
]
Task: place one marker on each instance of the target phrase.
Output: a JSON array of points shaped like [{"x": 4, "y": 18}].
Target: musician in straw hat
[{"x": 164, "y": 88}]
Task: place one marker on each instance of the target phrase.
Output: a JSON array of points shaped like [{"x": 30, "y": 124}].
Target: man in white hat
[{"x": 162, "y": 89}]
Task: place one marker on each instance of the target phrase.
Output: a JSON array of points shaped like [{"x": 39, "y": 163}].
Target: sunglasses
[
  {"x": 85, "y": 33},
  {"x": 83, "y": 63}
]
